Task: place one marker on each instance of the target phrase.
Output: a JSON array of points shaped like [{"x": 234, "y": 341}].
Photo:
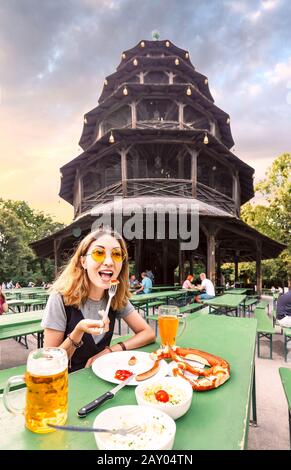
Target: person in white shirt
[{"x": 206, "y": 285}]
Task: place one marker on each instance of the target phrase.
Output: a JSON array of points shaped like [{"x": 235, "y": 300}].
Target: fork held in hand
[
  {"x": 111, "y": 292},
  {"x": 122, "y": 431}
]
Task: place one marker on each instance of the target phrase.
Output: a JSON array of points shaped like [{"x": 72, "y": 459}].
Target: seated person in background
[
  {"x": 17, "y": 285},
  {"x": 3, "y": 303},
  {"x": 283, "y": 312},
  {"x": 150, "y": 275},
  {"x": 30, "y": 284},
  {"x": 187, "y": 284},
  {"x": 206, "y": 285},
  {"x": 146, "y": 285},
  {"x": 133, "y": 282}
]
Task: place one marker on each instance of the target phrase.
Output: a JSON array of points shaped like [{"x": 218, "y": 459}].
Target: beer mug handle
[
  {"x": 16, "y": 380},
  {"x": 181, "y": 317}
]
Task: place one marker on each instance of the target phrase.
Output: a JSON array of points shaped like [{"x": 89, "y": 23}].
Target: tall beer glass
[
  {"x": 46, "y": 380},
  {"x": 169, "y": 320}
]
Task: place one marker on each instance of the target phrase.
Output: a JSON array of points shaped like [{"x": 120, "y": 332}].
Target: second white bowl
[{"x": 179, "y": 390}]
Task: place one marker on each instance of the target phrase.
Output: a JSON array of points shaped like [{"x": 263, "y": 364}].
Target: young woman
[
  {"x": 73, "y": 315},
  {"x": 187, "y": 284},
  {"x": 3, "y": 303}
]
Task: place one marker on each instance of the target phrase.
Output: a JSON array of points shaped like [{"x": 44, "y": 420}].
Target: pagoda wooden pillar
[
  {"x": 236, "y": 260},
  {"x": 218, "y": 264},
  {"x": 133, "y": 115},
  {"x": 191, "y": 264},
  {"x": 137, "y": 258},
  {"x": 210, "y": 232},
  {"x": 165, "y": 262},
  {"x": 181, "y": 265},
  {"x": 181, "y": 114},
  {"x": 259, "y": 267},
  {"x": 194, "y": 155},
  {"x": 57, "y": 244}
]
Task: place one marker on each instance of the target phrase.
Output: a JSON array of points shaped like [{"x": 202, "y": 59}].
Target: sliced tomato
[
  {"x": 162, "y": 395},
  {"x": 122, "y": 374}
]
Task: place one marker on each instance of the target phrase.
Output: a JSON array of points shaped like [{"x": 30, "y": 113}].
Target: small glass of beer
[
  {"x": 169, "y": 319},
  {"x": 46, "y": 380}
]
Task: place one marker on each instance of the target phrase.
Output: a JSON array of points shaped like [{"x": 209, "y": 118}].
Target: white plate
[
  {"x": 158, "y": 429},
  {"x": 106, "y": 366}
]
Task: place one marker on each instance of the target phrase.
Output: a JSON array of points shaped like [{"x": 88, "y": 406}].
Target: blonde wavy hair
[{"x": 73, "y": 282}]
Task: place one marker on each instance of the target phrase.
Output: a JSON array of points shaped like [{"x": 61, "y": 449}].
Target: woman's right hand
[{"x": 93, "y": 327}]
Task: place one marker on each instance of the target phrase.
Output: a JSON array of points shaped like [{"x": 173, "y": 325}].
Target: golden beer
[
  {"x": 168, "y": 327},
  {"x": 46, "y": 380},
  {"x": 46, "y": 401}
]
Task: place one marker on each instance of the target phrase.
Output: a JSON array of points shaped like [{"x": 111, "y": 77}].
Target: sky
[{"x": 55, "y": 54}]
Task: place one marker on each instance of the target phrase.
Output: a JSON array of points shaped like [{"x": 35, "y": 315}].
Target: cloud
[{"x": 280, "y": 73}]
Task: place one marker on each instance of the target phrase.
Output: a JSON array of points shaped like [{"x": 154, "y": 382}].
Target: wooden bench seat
[
  {"x": 265, "y": 328},
  {"x": 10, "y": 372},
  {"x": 285, "y": 375},
  {"x": 263, "y": 304},
  {"x": 190, "y": 308},
  {"x": 249, "y": 302},
  {"x": 287, "y": 338}
]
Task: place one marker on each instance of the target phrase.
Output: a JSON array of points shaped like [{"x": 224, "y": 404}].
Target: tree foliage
[
  {"x": 272, "y": 217},
  {"x": 19, "y": 226}
]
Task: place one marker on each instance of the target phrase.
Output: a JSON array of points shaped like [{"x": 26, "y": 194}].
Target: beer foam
[
  {"x": 47, "y": 362},
  {"x": 43, "y": 367}
]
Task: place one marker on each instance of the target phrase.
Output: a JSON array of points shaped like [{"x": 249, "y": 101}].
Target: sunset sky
[{"x": 55, "y": 54}]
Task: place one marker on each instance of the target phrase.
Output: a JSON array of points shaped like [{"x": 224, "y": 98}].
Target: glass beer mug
[
  {"x": 169, "y": 320},
  {"x": 46, "y": 380}
]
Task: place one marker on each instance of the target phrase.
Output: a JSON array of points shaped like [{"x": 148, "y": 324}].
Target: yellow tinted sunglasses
[{"x": 98, "y": 254}]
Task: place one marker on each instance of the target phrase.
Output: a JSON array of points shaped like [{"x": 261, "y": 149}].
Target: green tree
[
  {"x": 272, "y": 217},
  {"x": 39, "y": 225},
  {"x": 19, "y": 226},
  {"x": 15, "y": 252}
]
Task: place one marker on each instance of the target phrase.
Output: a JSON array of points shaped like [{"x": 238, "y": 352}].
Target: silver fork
[
  {"x": 111, "y": 293},
  {"x": 122, "y": 431}
]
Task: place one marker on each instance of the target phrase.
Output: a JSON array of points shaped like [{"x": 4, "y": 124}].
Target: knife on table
[{"x": 106, "y": 396}]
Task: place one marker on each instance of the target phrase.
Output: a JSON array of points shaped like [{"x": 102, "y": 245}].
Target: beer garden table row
[
  {"x": 217, "y": 419},
  {"x": 22, "y": 324},
  {"x": 226, "y": 303}
]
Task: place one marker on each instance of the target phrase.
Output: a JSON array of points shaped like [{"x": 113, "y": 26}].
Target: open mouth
[{"x": 105, "y": 275}]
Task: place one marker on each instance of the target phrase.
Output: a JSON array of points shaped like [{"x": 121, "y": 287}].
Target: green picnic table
[
  {"x": 226, "y": 303},
  {"x": 236, "y": 291},
  {"x": 22, "y": 324},
  {"x": 217, "y": 419},
  {"x": 145, "y": 299}
]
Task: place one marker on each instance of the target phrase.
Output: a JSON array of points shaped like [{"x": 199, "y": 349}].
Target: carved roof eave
[
  {"x": 126, "y": 137},
  {"x": 270, "y": 247},
  {"x": 160, "y": 62},
  {"x": 144, "y": 90}
]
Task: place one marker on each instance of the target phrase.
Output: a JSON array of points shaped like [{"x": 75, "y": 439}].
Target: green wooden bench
[
  {"x": 249, "y": 302},
  {"x": 287, "y": 338},
  {"x": 10, "y": 372},
  {"x": 190, "y": 308},
  {"x": 265, "y": 328},
  {"x": 285, "y": 375},
  {"x": 263, "y": 304}
]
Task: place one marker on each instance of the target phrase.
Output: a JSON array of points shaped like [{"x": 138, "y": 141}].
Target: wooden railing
[{"x": 164, "y": 187}]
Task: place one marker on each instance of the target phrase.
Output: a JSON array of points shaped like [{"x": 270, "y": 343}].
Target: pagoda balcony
[{"x": 164, "y": 187}]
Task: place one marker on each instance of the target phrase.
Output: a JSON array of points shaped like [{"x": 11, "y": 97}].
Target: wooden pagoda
[{"x": 156, "y": 133}]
